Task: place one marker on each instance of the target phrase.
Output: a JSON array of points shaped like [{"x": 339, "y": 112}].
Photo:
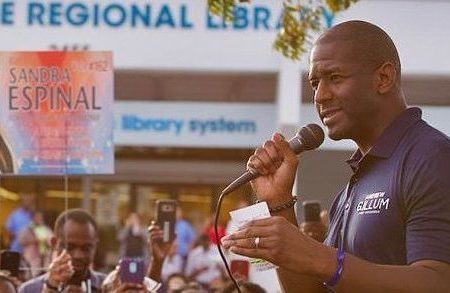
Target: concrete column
[
  {"x": 289, "y": 97},
  {"x": 289, "y": 101}
]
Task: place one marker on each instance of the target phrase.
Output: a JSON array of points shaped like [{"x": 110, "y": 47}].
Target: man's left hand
[{"x": 280, "y": 242}]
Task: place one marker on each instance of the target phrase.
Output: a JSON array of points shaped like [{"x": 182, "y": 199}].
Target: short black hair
[
  {"x": 78, "y": 216},
  {"x": 371, "y": 43}
]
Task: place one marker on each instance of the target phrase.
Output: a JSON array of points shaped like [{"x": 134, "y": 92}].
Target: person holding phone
[
  {"x": 390, "y": 225},
  {"x": 117, "y": 281},
  {"x": 74, "y": 244}
]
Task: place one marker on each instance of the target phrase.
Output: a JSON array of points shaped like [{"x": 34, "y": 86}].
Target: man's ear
[{"x": 386, "y": 78}]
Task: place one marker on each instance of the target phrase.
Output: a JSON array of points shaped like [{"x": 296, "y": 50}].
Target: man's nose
[
  {"x": 78, "y": 253},
  {"x": 322, "y": 93}
]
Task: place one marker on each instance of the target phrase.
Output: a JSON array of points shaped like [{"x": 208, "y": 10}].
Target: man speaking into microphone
[{"x": 390, "y": 225}]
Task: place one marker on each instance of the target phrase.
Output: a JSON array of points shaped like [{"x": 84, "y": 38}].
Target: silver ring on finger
[{"x": 256, "y": 242}]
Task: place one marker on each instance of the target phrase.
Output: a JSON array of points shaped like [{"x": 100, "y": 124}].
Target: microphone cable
[
  {"x": 309, "y": 137},
  {"x": 219, "y": 245}
]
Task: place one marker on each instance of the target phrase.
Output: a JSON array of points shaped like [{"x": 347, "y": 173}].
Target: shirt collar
[
  {"x": 391, "y": 136},
  {"x": 96, "y": 282}
]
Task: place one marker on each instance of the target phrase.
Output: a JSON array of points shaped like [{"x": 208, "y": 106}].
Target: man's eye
[
  {"x": 87, "y": 248},
  {"x": 314, "y": 84},
  {"x": 335, "y": 77}
]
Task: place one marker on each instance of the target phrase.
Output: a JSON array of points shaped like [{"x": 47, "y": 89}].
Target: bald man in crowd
[{"x": 390, "y": 225}]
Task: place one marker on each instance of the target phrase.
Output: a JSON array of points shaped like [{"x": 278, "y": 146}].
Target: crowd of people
[{"x": 62, "y": 259}]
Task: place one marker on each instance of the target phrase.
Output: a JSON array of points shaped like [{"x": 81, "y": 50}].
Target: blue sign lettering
[
  {"x": 106, "y": 14},
  {"x": 221, "y": 125},
  {"x": 144, "y": 15},
  {"x": 196, "y": 126},
  {"x": 256, "y": 17},
  {"x": 135, "y": 123},
  {"x": 165, "y": 17},
  {"x": 115, "y": 10},
  {"x": 77, "y": 15},
  {"x": 261, "y": 17},
  {"x": 7, "y": 13},
  {"x": 55, "y": 14}
]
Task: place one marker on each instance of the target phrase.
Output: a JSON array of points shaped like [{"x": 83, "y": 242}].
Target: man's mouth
[
  {"x": 79, "y": 266},
  {"x": 328, "y": 115}
]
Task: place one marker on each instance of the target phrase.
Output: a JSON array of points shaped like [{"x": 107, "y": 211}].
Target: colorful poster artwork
[{"x": 56, "y": 113}]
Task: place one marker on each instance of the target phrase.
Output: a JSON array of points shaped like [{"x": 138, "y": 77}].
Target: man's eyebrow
[
  {"x": 331, "y": 69},
  {"x": 323, "y": 71}
]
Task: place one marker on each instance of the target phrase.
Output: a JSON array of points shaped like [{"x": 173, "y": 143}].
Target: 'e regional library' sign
[{"x": 181, "y": 35}]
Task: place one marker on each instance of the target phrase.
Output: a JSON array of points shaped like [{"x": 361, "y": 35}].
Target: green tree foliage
[{"x": 299, "y": 20}]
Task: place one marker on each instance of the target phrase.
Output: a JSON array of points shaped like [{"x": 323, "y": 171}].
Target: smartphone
[
  {"x": 10, "y": 261},
  {"x": 239, "y": 269},
  {"x": 132, "y": 270},
  {"x": 311, "y": 211},
  {"x": 166, "y": 210}
]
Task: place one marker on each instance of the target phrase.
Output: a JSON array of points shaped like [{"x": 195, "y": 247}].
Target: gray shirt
[{"x": 37, "y": 284}]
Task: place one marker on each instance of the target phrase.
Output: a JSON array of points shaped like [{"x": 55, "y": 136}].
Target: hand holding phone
[
  {"x": 166, "y": 217},
  {"x": 132, "y": 270}
]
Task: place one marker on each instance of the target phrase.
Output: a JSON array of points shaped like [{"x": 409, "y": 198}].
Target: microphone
[{"x": 309, "y": 137}]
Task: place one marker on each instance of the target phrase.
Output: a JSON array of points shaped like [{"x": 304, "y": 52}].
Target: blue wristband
[{"x": 339, "y": 269}]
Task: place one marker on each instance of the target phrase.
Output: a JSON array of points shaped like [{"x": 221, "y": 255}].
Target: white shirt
[
  {"x": 199, "y": 258},
  {"x": 171, "y": 266}
]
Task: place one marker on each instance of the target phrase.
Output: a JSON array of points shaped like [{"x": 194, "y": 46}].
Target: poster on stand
[{"x": 56, "y": 113}]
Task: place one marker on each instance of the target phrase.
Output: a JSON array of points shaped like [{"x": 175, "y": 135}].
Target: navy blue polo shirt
[{"x": 396, "y": 207}]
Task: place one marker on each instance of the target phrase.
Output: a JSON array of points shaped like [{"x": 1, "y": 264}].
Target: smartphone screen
[
  {"x": 10, "y": 261},
  {"x": 311, "y": 211},
  {"x": 166, "y": 217},
  {"x": 132, "y": 270}
]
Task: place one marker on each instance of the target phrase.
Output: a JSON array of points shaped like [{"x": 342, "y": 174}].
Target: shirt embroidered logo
[{"x": 373, "y": 204}]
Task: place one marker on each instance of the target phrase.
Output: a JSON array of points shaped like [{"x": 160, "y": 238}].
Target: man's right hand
[
  {"x": 60, "y": 269},
  {"x": 277, "y": 164}
]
